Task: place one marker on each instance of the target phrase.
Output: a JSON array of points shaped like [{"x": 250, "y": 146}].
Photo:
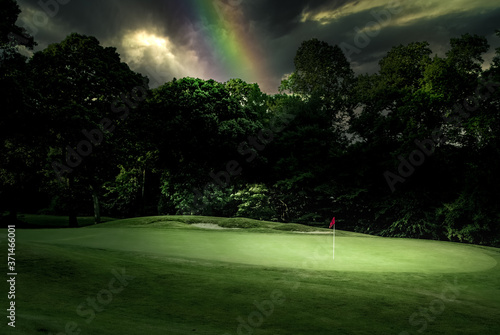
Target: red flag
[{"x": 332, "y": 223}]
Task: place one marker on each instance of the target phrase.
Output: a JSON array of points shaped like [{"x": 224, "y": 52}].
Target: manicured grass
[{"x": 257, "y": 280}]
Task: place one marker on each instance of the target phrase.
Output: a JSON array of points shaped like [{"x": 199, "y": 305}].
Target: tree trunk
[
  {"x": 97, "y": 207},
  {"x": 12, "y": 217},
  {"x": 12, "y": 197},
  {"x": 143, "y": 187},
  {"x": 73, "y": 220}
]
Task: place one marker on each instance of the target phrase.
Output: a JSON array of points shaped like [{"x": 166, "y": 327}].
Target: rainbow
[{"x": 228, "y": 38}]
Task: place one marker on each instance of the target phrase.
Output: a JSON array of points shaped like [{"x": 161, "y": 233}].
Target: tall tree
[
  {"x": 11, "y": 35},
  {"x": 324, "y": 82},
  {"x": 199, "y": 125},
  {"x": 19, "y": 143},
  {"x": 322, "y": 70},
  {"x": 87, "y": 96}
]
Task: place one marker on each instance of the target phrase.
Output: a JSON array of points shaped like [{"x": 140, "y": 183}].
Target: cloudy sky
[{"x": 254, "y": 40}]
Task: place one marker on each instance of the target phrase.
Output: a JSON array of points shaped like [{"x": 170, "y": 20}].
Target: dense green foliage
[{"x": 412, "y": 150}]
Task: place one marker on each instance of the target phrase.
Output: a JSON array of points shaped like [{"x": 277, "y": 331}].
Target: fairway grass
[{"x": 262, "y": 278}]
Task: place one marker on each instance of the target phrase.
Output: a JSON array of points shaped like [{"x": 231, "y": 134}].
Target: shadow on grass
[{"x": 32, "y": 221}]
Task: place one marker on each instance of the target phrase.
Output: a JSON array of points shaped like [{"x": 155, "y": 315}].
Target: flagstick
[{"x": 333, "y": 242}]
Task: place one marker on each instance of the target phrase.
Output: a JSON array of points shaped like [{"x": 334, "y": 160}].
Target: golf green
[
  {"x": 308, "y": 251},
  {"x": 172, "y": 275}
]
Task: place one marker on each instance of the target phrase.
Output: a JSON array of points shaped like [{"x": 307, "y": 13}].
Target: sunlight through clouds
[
  {"x": 150, "y": 39},
  {"x": 158, "y": 57},
  {"x": 141, "y": 44}
]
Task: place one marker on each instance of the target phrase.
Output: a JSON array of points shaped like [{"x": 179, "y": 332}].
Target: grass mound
[{"x": 183, "y": 221}]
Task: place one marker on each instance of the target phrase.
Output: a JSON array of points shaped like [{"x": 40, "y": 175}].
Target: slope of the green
[
  {"x": 189, "y": 280},
  {"x": 280, "y": 250}
]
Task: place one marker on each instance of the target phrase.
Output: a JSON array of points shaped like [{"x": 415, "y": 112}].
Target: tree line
[{"x": 412, "y": 150}]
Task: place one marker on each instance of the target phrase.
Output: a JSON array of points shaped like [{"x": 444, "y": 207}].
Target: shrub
[{"x": 253, "y": 202}]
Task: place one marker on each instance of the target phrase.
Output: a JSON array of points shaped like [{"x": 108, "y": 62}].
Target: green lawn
[{"x": 263, "y": 278}]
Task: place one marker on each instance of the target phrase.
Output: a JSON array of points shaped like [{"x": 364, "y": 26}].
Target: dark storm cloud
[
  {"x": 111, "y": 21},
  {"x": 284, "y": 18},
  {"x": 279, "y": 18},
  {"x": 106, "y": 19},
  {"x": 437, "y": 30},
  {"x": 279, "y": 27}
]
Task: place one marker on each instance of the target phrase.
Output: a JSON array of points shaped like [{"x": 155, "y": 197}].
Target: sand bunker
[{"x": 209, "y": 226}]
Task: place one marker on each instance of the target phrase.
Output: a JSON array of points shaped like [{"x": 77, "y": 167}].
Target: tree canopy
[{"x": 411, "y": 150}]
